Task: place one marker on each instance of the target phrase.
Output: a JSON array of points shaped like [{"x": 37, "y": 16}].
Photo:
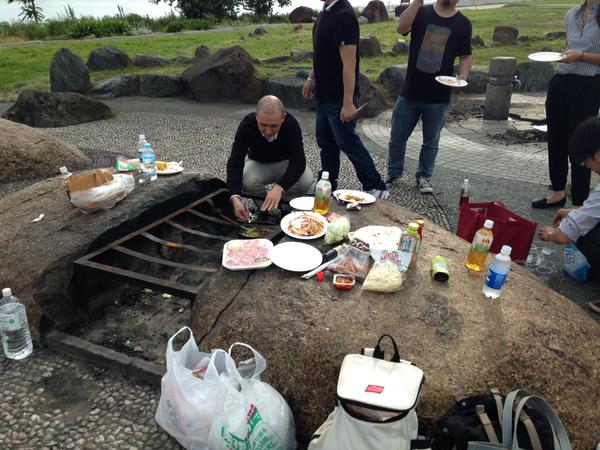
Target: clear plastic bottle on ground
[
  {"x": 322, "y": 194},
  {"x": 141, "y": 143},
  {"x": 498, "y": 273},
  {"x": 465, "y": 192},
  {"x": 480, "y": 247},
  {"x": 410, "y": 243},
  {"x": 148, "y": 164},
  {"x": 16, "y": 338}
]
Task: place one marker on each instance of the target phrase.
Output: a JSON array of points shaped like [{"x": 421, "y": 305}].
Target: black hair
[{"x": 585, "y": 141}]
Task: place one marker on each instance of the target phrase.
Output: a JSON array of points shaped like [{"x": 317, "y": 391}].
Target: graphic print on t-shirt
[{"x": 431, "y": 53}]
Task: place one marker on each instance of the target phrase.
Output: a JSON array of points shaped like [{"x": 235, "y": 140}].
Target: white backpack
[{"x": 376, "y": 405}]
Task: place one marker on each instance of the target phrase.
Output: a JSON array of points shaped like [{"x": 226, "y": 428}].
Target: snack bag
[
  {"x": 354, "y": 261},
  {"x": 337, "y": 231},
  {"x": 385, "y": 276}
]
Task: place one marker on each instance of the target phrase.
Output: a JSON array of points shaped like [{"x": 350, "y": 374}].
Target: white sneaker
[
  {"x": 424, "y": 185},
  {"x": 383, "y": 195}
]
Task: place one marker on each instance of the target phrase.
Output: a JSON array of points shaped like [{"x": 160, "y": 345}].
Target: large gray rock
[
  {"x": 478, "y": 41},
  {"x": 505, "y": 35},
  {"x": 300, "y": 55},
  {"x": 401, "y": 47},
  {"x": 201, "y": 52},
  {"x": 149, "y": 61},
  {"x": 534, "y": 76},
  {"x": 277, "y": 60},
  {"x": 119, "y": 86},
  {"x": 371, "y": 96},
  {"x": 478, "y": 80},
  {"x": 48, "y": 109},
  {"x": 362, "y": 20},
  {"x": 392, "y": 79},
  {"x": 301, "y": 14},
  {"x": 556, "y": 35},
  {"x": 107, "y": 58},
  {"x": 398, "y": 10},
  {"x": 461, "y": 340},
  {"x": 183, "y": 60},
  {"x": 369, "y": 47},
  {"x": 27, "y": 153},
  {"x": 289, "y": 90},
  {"x": 151, "y": 85},
  {"x": 260, "y": 31},
  {"x": 68, "y": 73},
  {"x": 227, "y": 74},
  {"x": 375, "y": 11}
]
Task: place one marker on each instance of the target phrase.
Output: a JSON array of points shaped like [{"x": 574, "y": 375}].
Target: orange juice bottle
[
  {"x": 322, "y": 194},
  {"x": 480, "y": 247}
]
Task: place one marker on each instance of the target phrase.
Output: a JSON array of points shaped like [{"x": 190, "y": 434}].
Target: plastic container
[
  {"x": 498, "y": 273},
  {"x": 148, "y": 165},
  {"x": 16, "y": 338},
  {"x": 343, "y": 282},
  {"x": 480, "y": 247},
  {"x": 465, "y": 192},
  {"x": 322, "y": 195},
  {"x": 409, "y": 246},
  {"x": 247, "y": 254},
  {"x": 140, "y": 145}
]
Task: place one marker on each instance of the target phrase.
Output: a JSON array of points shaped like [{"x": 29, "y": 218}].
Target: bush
[
  {"x": 107, "y": 26},
  {"x": 59, "y": 28},
  {"x": 201, "y": 24},
  {"x": 175, "y": 27}
]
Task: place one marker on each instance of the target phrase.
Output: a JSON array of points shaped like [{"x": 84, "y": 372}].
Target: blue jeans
[
  {"x": 334, "y": 135},
  {"x": 404, "y": 120}
]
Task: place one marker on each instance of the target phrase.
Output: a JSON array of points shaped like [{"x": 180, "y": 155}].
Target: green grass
[{"x": 27, "y": 66}]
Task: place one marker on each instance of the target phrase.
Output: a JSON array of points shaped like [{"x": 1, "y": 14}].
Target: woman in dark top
[{"x": 573, "y": 96}]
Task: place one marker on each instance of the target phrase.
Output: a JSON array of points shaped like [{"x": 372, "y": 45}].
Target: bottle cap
[
  {"x": 320, "y": 276},
  {"x": 325, "y": 175},
  {"x": 488, "y": 224},
  {"x": 63, "y": 170},
  {"x": 414, "y": 227},
  {"x": 506, "y": 249},
  {"x": 142, "y": 137},
  {"x": 147, "y": 145},
  {"x": 6, "y": 292},
  {"x": 466, "y": 181}
]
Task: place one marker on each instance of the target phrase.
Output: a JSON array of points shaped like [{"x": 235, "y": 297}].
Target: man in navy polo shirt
[{"x": 333, "y": 83}]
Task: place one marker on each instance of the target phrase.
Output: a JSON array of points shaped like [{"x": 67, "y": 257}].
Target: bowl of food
[{"x": 304, "y": 225}]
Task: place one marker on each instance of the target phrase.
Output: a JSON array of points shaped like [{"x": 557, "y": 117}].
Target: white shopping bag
[{"x": 254, "y": 415}]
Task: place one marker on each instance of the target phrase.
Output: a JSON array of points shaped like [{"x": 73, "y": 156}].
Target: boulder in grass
[
  {"x": 277, "y": 60},
  {"x": 398, "y": 10},
  {"x": 68, "y": 73},
  {"x": 107, "y": 58},
  {"x": 478, "y": 41},
  {"x": 183, "y": 60},
  {"x": 289, "y": 90},
  {"x": 260, "y": 31},
  {"x": 301, "y": 55},
  {"x": 201, "y": 53},
  {"x": 392, "y": 79},
  {"x": 362, "y": 20},
  {"x": 534, "y": 76},
  {"x": 48, "y": 109},
  {"x": 505, "y": 35},
  {"x": 151, "y": 85},
  {"x": 119, "y": 86},
  {"x": 27, "y": 153},
  {"x": 369, "y": 47},
  {"x": 401, "y": 47},
  {"x": 375, "y": 11},
  {"x": 227, "y": 74},
  {"x": 370, "y": 96},
  {"x": 556, "y": 35},
  {"x": 301, "y": 14},
  {"x": 149, "y": 61}
]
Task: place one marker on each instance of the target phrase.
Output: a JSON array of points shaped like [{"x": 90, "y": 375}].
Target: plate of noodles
[{"x": 304, "y": 225}]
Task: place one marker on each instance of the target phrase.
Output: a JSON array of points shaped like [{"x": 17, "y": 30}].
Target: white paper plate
[
  {"x": 296, "y": 256},
  {"x": 545, "y": 56},
  {"x": 450, "y": 81},
  {"x": 233, "y": 250},
  {"x": 303, "y": 203},
  {"x": 285, "y": 223},
  {"x": 348, "y": 195},
  {"x": 172, "y": 168}
]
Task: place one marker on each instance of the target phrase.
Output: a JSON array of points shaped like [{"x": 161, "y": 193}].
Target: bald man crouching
[{"x": 272, "y": 141}]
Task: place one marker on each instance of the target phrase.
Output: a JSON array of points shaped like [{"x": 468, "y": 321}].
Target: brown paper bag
[{"x": 90, "y": 180}]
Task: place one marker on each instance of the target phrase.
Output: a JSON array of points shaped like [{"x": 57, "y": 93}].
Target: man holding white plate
[
  {"x": 439, "y": 33},
  {"x": 272, "y": 141}
]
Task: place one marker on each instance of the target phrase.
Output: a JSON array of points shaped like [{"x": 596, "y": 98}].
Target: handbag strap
[
  {"x": 378, "y": 353},
  {"x": 487, "y": 424},
  {"x": 495, "y": 391}
]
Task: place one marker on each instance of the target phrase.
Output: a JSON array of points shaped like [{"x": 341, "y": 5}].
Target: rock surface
[
  {"x": 556, "y": 35},
  {"x": 300, "y": 55},
  {"x": 371, "y": 96},
  {"x": 260, "y": 31},
  {"x": 160, "y": 86},
  {"x": 26, "y": 153},
  {"x": 227, "y": 74},
  {"x": 289, "y": 90},
  {"x": 505, "y": 35},
  {"x": 107, "y": 58},
  {"x": 375, "y": 11},
  {"x": 42, "y": 254},
  {"x": 119, "y": 86},
  {"x": 369, "y": 47},
  {"x": 392, "y": 79},
  {"x": 301, "y": 14},
  {"x": 68, "y": 73},
  {"x": 461, "y": 340},
  {"x": 534, "y": 76},
  {"x": 48, "y": 109},
  {"x": 398, "y": 10},
  {"x": 478, "y": 41},
  {"x": 401, "y": 47},
  {"x": 149, "y": 61},
  {"x": 201, "y": 53}
]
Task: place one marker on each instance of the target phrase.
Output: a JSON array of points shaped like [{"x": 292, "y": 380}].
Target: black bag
[{"x": 479, "y": 418}]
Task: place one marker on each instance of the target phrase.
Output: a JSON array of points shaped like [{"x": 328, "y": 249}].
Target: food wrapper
[
  {"x": 104, "y": 196},
  {"x": 385, "y": 276},
  {"x": 337, "y": 231},
  {"x": 126, "y": 165},
  {"x": 89, "y": 180},
  {"x": 353, "y": 261}
]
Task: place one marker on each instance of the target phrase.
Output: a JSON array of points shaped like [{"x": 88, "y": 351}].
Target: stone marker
[
  {"x": 505, "y": 35},
  {"x": 107, "y": 58},
  {"x": 227, "y": 74},
  {"x": 68, "y": 73},
  {"x": 375, "y": 11},
  {"x": 301, "y": 14},
  {"x": 149, "y": 61},
  {"x": 499, "y": 89},
  {"x": 369, "y": 47},
  {"x": 27, "y": 153},
  {"x": 47, "y": 109},
  {"x": 531, "y": 337}
]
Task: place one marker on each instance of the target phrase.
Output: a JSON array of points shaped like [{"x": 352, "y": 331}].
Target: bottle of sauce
[
  {"x": 480, "y": 247},
  {"x": 322, "y": 194},
  {"x": 465, "y": 191}
]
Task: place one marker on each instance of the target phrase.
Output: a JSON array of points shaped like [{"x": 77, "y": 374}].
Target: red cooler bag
[{"x": 509, "y": 228}]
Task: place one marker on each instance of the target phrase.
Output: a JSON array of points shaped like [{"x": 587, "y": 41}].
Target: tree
[
  {"x": 198, "y": 9},
  {"x": 264, "y": 7},
  {"x": 29, "y": 10}
]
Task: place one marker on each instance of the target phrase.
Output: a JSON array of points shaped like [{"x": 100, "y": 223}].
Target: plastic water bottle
[
  {"x": 410, "y": 244},
  {"x": 480, "y": 247},
  {"x": 322, "y": 194},
  {"x": 141, "y": 143},
  {"x": 16, "y": 338},
  {"x": 148, "y": 165},
  {"x": 496, "y": 277}
]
